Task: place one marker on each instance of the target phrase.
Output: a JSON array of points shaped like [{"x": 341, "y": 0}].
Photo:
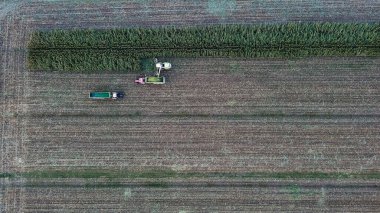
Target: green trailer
[
  {"x": 150, "y": 80},
  {"x": 105, "y": 95}
]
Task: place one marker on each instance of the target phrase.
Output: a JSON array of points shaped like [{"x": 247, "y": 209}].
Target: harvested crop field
[
  {"x": 317, "y": 114},
  {"x": 263, "y": 116},
  {"x": 198, "y": 197}
]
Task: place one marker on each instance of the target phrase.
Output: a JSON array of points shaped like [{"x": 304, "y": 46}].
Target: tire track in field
[
  {"x": 66, "y": 14},
  {"x": 12, "y": 78},
  {"x": 206, "y": 144},
  {"x": 9, "y": 78},
  {"x": 47, "y": 15},
  {"x": 61, "y": 14},
  {"x": 293, "y": 91},
  {"x": 303, "y": 87},
  {"x": 277, "y": 196}
]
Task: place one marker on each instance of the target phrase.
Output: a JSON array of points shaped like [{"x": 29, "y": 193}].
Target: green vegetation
[
  {"x": 159, "y": 178},
  {"x": 279, "y": 35},
  {"x": 122, "y": 49},
  {"x": 156, "y": 184},
  {"x": 168, "y": 173},
  {"x": 294, "y": 190},
  {"x": 82, "y": 60},
  {"x": 7, "y": 175},
  {"x": 147, "y": 64}
]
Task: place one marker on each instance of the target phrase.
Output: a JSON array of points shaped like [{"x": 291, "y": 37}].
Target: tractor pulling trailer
[
  {"x": 106, "y": 95},
  {"x": 143, "y": 79}
]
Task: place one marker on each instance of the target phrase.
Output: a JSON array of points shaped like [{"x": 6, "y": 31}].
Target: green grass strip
[
  {"x": 122, "y": 49},
  {"x": 7, "y": 175},
  {"x": 168, "y": 173}
]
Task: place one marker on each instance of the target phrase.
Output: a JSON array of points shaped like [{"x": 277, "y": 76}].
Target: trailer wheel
[{"x": 167, "y": 79}]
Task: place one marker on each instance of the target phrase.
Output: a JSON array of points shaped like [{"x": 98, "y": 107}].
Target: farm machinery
[
  {"x": 155, "y": 78},
  {"x": 106, "y": 95}
]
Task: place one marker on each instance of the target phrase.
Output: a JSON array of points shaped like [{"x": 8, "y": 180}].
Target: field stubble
[
  {"x": 34, "y": 135},
  {"x": 292, "y": 196},
  {"x": 317, "y": 114}
]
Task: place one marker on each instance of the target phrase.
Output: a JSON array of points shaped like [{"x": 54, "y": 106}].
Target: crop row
[
  {"x": 254, "y": 36},
  {"x": 82, "y": 61},
  {"x": 122, "y": 49},
  {"x": 168, "y": 173},
  {"x": 108, "y": 60}
]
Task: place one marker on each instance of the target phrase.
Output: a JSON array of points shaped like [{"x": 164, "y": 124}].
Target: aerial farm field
[{"x": 223, "y": 134}]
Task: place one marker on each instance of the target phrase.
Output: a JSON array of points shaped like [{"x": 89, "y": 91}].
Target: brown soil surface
[{"x": 317, "y": 114}]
